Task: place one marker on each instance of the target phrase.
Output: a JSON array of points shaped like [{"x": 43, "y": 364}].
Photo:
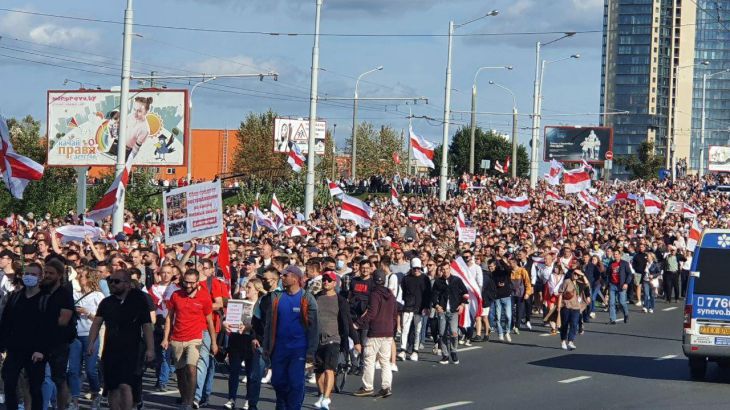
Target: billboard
[
  {"x": 719, "y": 159},
  {"x": 297, "y": 130},
  {"x": 194, "y": 211},
  {"x": 83, "y": 127},
  {"x": 573, "y": 144}
]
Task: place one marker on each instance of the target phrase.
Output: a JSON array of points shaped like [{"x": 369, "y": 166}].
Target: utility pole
[
  {"x": 447, "y": 107},
  {"x": 309, "y": 190},
  {"x": 334, "y": 151}
]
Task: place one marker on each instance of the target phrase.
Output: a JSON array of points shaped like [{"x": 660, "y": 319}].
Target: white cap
[
  {"x": 388, "y": 239},
  {"x": 416, "y": 263}
]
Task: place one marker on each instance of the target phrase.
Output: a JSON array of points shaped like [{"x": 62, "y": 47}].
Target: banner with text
[{"x": 193, "y": 211}]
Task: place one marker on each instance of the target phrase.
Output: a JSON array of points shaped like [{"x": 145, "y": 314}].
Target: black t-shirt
[
  {"x": 19, "y": 327},
  {"x": 124, "y": 320},
  {"x": 61, "y": 298}
]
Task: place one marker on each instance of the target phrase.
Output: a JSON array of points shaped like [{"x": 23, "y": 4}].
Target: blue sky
[{"x": 413, "y": 66}]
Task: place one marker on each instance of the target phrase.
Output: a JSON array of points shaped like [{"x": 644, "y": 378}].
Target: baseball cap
[
  {"x": 330, "y": 276},
  {"x": 416, "y": 263},
  {"x": 293, "y": 270},
  {"x": 379, "y": 277}
]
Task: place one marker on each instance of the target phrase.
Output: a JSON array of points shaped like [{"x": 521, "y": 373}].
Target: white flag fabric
[
  {"x": 356, "y": 210},
  {"x": 114, "y": 196},
  {"x": 394, "y": 196},
  {"x": 335, "y": 189},
  {"x": 576, "y": 180},
  {"x": 588, "y": 199},
  {"x": 652, "y": 204},
  {"x": 277, "y": 211},
  {"x": 553, "y": 176},
  {"x": 460, "y": 270},
  {"x": 695, "y": 233},
  {"x": 507, "y": 205},
  {"x": 17, "y": 171},
  {"x": 296, "y": 159},
  {"x": 553, "y": 196},
  {"x": 422, "y": 149}
]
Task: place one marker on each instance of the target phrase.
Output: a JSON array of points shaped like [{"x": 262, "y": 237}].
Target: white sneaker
[
  {"x": 244, "y": 379},
  {"x": 645, "y": 310},
  {"x": 230, "y": 405},
  {"x": 312, "y": 379},
  {"x": 529, "y": 325},
  {"x": 508, "y": 337},
  {"x": 467, "y": 342},
  {"x": 245, "y": 405},
  {"x": 317, "y": 404},
  {"x": 638, "y": 303},
  {"x": 501, "y": 337},
  {"x": 436, "y": 351},
  {"x": 414, "y": 357},
  {"x": 563, "y": 345},
  {"x": 516, "y": 330},
  {"x": 393, "y": 367},
  {"x": 592, "y": 315},
  {"x": 571, "y": 346},
  {"x": 461, "y": 341},
  {"x": 326, "y": 403},
  {"x": 266, "y": 379},
  {"x": 651, "y": 310},
  {"x": 402, "y": 355},
  {"x": 421, "y": 346}
]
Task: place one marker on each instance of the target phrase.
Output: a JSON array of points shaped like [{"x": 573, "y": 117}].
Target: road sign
[
  {"x": 609, "y": 155},
  {"x": 608, "y": 164},
  {"x": 485, "y": 164}
]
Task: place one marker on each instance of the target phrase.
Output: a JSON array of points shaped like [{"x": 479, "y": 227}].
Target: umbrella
[{"x": 295, "y": 230}]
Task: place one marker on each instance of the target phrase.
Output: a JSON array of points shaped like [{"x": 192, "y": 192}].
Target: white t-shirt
[
  {"x": 89, "y": 302},
  {"x": 394, "y": 286}
]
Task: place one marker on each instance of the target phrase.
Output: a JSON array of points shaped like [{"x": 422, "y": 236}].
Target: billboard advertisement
[
  {"x": 194, "y": 211},
  {"x": 573, "y": 144},
  {"x": 297, "y": 131},
  {"x": 83, "y": 127},
  {"x": 719, "y": 159}
]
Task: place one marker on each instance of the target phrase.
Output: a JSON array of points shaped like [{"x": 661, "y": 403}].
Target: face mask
[
  {"x": 340, "y": 264},
  {"x": 30, "y": 281}
]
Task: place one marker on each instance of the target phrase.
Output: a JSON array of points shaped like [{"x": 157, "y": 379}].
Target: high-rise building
[{"x": 648, "y": 49}]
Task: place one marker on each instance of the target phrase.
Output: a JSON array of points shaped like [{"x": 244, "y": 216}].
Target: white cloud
[
  {"x": 53, "y": 35},
  {"x": 233, "y": 65}
]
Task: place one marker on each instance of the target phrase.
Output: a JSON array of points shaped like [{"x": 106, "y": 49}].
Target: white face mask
[{"x": 30, "y": 281}]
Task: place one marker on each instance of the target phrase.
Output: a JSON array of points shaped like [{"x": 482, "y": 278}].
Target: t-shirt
[
  {"x": 90, "y": 302},
  {"x": 123, "y": 320},
  {"x": 328, "y": 308},
  {"x": 290, "y": 333},
  {"x": 615, "y": 275},
  {"x": 189, "y": 314},
  {"x": 61, "y": 298},
  {"x": 219, "y": 291}
]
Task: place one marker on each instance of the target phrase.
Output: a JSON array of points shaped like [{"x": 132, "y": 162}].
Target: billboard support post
[
  {"x": 118, "y": 216},
  {"x": 81, "y": 190}
]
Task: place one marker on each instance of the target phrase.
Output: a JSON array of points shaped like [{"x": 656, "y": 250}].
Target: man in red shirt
[{"x": 190, "y": 312}]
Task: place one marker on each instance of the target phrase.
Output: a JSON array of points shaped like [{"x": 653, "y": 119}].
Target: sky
[{"x": 40, "y": 48}]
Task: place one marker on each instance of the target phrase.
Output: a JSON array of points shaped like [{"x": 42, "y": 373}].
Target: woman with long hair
[
  {"x": 86, "y": 302},
  {"x": 552, "y": 290}
]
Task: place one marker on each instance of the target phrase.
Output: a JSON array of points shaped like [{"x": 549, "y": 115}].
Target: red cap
[{"x": 330, "y": 275}]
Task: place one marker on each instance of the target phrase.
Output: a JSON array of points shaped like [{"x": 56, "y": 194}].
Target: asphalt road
[{"x": 635, "y": 365}]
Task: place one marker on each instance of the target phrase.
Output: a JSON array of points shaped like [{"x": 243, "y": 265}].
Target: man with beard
[
  {"x": 126, "y": 317},
  {"x": 190, "y": 312}
]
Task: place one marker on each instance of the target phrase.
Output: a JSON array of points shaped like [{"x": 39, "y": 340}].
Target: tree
[
  {"x": 324, "y": 167},
  {"x": 255, "y": 149},
  {"x": 375, "y": 151},
  {"x": 643, "y": 165},
  {"x": 487, "y": 145}
]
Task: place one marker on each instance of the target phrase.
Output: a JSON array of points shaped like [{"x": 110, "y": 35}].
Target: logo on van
[{"x": 724, "y": 240}]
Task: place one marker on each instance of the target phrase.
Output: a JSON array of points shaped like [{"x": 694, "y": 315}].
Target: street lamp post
[
  {"x": 474, "y": 113},
  {"x": 190, "y": 127},
  {"x": 309, "y": 187},
  {"x": 353, "y": 159},
  {"x": 514, "y": 128},
  {"x": 447, "y": 105},
  {"x": 705, "y": 77}
]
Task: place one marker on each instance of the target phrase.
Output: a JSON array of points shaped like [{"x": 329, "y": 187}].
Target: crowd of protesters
[{"x": 86, "y": 319}]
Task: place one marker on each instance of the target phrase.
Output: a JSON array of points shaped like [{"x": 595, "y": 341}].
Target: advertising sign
[
  {"x": 719, "y": 159},
  {"x": 297, "y": 131},
  {"x": 193, "y": 211},
  {"x": 83, "y": 127},
  {"x": 573, "y": 144}
]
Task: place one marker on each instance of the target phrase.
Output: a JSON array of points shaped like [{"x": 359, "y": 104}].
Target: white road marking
[
  {"x": 574, "y": 379},
  {"x": 667, "y": 357},
  {"x": 545, "y": 334},
  {"x": 166, "y": 393},
  {"x": 466, "y": 349},
  {"x": 449, "y": 405},
  {"x": 669, "y": 308}
]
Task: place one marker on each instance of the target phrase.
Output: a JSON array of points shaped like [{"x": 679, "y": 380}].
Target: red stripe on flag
[{"x": 346, "y": 206}]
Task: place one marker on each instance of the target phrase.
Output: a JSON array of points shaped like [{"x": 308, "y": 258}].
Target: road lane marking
[
  {"x": 669, "y": 308},
  {"x": 449, "y": 405},
  {"x": 545, "y": 334},
  {"x": 667, "y": 357},
  {"x": 165, "y": 393},
  {"x": 574, "y": 379},
  {"x": 466, "y": 349}
]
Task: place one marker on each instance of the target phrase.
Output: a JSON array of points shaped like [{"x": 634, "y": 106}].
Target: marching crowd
[{"x": 86, "y": 319}]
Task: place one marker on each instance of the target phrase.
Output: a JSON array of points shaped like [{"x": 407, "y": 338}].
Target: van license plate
[{"x": 712, "y": 330}]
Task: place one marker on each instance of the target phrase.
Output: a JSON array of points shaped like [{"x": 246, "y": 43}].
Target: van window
[{"x": 714, "y": 268}]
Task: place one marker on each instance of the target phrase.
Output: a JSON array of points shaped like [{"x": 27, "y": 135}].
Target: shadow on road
[
  {"x": 674, "y": 339},
  {"x": 631, "y": 366}
]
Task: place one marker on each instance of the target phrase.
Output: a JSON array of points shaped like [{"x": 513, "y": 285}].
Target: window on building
[{"x": 170, "y": 171}]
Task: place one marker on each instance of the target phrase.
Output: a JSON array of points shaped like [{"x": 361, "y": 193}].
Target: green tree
[
  {"x": 141, "y": 193},
  {"x": 375, "y": 151},
  {"x": 645, "y": 164},
  {"x": 255, "y": 149},
  {"x": 487, "y": 145}
]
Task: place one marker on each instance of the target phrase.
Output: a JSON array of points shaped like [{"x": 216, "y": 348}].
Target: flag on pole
[
  {"x": 553, "y": 196},
  {"x": 507, "y": 205},
  {"x": 652, "y": 204},
  {"x": 586, "y": 165},
  {"x": 553, "y": 176},
  {"x": 277, "y": 211},
  {"x": 422, "y": 149},
  {"x": 498, "y": 167},
  {"x": 622, "y": 196},
  {"x": 688, "y": 212},
  {"x": 576, "y": 180},
  {"x": 114, "y": 196},
  {"x": 394, "y": 196},
  {"x": 694, "y": 236},
  {"x": 17, "y": 171},
  {"x": 356, "y": 210},
  {"x": 224, "y": 258},
  {"x": 335, "y": 189},
  {"x": 506, "y": 164},
  {"x": 460, "y": 222},
  {"x": 296, "y": 158},
  {"x": 588, "y": 199},
  {"x": 474, "y": 294}
]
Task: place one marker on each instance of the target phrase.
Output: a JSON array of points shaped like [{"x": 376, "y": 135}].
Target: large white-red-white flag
[
  {"x": 553, "y": 176},
  {"x": 17, "y": 171},
  {"x": 695, "y": 233},
  {"x": 114, "y": 196},
  {"x": 296, "y": 159},
  {"x": 499, "y": 167},
  {"x": 588, "y": 199},
  {"x": 460, "y": 270},
  {"x": 460, "y": 222},
  {"x": 356, "y": 210},
  {"x": 507, "y": 205},
  {"x": 576, "y": 180},
  {"x": 335, "y": 189},
  {"x": 688, "y": 211},
  {"x": 277, "y": 210},
  {"x": 652, "y": 204},
  {"x": 422, "y": 149},
  {"x": 555, "y": 197},
  {"x": 394, "y": 196},
  {"x": 622, "y": 196}
]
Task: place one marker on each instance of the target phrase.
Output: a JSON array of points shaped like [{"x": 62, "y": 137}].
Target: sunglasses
[
  {"x": 327, "y": 279},
  {"x": 115, "y": 281}
]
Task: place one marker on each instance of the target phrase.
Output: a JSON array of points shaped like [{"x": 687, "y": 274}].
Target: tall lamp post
[
  {"x": 536, "y": 108},
  {"x": 705, "y": 77},
  {"x": 190, "y": 126},
  {"x": 309, "y": 187},
  {"x": 514, "y": 127},
  {"x": 474, "y": 113},
  {"x": 447, "y": 105},
  {"x": 353, "y": 158}
]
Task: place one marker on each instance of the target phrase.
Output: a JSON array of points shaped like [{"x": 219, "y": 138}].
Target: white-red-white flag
[
  {"x": 586, "y": 165},
  {"x": 356, "y": 210},
  {"x": 499, "y": 167},
  {"x": 555, "y": 197},
  {"x": 474, "y": 294},
  {"x": 415, "y": 217},
  {"x": 114, "y": 196},
  {"x": 507, "y": 205},
  {"x": 588, "y": 199},
  {"x": 277, "y": 210},
  {"x": 17, "y": 171},
  {"x": 460, "y": 222},
  {"x": 652, "y": 204},
  {"x": 553, "y": 176},
  {"x": 576, "y": 180},
  {"x": 394, "y": 196},
  {"x": 335, "y": 189},
  {"x": 695, "y": 233},
  {"x": 688, "y": 211},
  {"x": 507, "y": 164},
  {"x": 422, "y": 149},
  {"x": 296, "y": 159}
]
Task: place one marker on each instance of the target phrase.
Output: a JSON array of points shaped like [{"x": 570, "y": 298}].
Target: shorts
[
  {"x": 327, "y": 357},
  {"x": 485, "y": 311},
  {"x": 637, "y": 279},
  {"x": 58, "y": 362},
  {"x": 120, "y": 367},
  {"x": 185, "y": 353}
]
